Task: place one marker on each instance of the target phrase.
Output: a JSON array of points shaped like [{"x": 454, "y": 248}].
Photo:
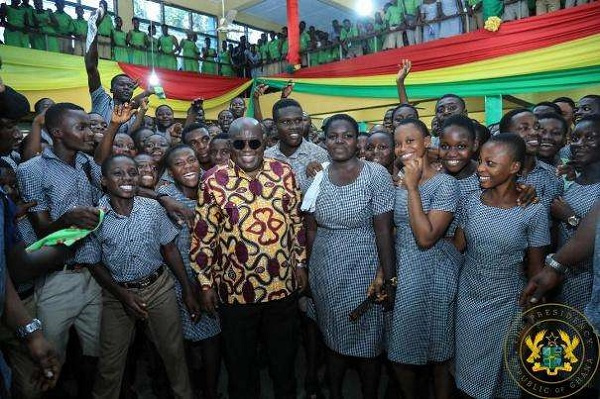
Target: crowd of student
[
  {"x": 400, "y": 23},
  {"x": 210, "y": 241}
]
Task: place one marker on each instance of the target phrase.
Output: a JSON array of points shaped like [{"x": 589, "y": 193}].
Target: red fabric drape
[
  {"x": 184, "y": 85},
  {"x": 513, "y": 37},
  {"x": 293, "y": 32}
]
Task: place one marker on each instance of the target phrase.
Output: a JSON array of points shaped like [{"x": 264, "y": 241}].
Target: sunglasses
[{"x": 241, "y": 144}]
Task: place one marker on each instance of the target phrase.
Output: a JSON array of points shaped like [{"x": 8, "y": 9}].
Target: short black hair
[
  {"x": 341, "y": 117},
  {"x": 38, "y": 104},
  {"x": 450, "y": 95},
  {"x": 220, "y": 136},
  {"x": 567, "y": 100},
  {"x": 506, "y": 120},
  {"x": 225, "y": 110},
  {"x": 163, "y": 106},
  {"x": 555, "y": 107},
  {"x": 166, "y": 160},
  {"x": 190, "y": 128},
  {"x": 404, "y": 105},
  {"x": 515, "y": 144},
  {"x": 594, "y": 97},
  {"x": 385, "y": 134},
  {"x": 461, "y": 121},
  {"x": 110, "y": 160},
  {"x": 56, "y": 112},
  {"x": 136, "y": 133},
  {"x": 482, "y": 133},
  {"x": 558, "y": 117},
  {"x": 114, "y": 79},
  {"x": 363, "y": 134},
  {"x": 418, "y": 123},
  {"x": 284, "y": 103}
]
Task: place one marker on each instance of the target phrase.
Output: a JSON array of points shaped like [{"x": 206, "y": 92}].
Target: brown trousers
[{"x": 163, "y": 327}]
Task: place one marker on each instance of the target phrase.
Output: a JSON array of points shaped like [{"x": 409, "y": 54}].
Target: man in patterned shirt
[{"x": 248, "y": 249}]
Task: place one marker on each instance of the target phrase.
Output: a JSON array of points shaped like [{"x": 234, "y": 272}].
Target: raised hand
[
  {"x": 287, "y": 90},
  {"x": 260, "y": 90},
  {"x": 121, "y": 113},
  {"x": 404, "y": 70}
]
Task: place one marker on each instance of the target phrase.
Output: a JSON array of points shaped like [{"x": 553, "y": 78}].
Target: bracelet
[
  {"x": 554, "y": 264},
  {"x": 160, "y": 195},
  {"x": 23, "y": 332},
  {"x": 300, "y": 266}
]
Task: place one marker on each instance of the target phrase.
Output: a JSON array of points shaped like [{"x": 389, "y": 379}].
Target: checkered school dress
[
  {"x": 207, "y": 326},
  {"x": 423, "y": 320},
  {"x": 576, "y": 289},
  {"x": 546, "y": 184},
  {"x": 490, "y": 282},
  {"x": 344, "y": 260},
  {"x": 465, "y": 187}
]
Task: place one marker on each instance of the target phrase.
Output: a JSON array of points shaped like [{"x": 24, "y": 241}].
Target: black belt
[
  {"x": 27, "y": 293},
  {"x": 144, "y": 282}
]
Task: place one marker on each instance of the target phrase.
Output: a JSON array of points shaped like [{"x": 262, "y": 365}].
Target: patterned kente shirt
[{"x": 248, "y": 235}]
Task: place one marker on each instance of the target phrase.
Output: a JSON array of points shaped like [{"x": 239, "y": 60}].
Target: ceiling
[{"x": 318, "y": 13}]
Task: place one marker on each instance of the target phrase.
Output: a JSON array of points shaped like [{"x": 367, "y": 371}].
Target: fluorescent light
[
  {"x": 364, "y": 7},
  {"x": 153, "y": 80}
]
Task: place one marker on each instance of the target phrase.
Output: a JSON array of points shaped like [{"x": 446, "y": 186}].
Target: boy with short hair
[
  {"x": 129, "y": 251},
  {"x": 79, "y": 31}
]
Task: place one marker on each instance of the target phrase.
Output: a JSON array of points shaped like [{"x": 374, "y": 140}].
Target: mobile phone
[{"x": 160, "y": 92}]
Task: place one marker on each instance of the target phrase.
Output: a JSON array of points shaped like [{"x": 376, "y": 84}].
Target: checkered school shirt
[
  {"x": 103, "y": 105},
  {"x": 58, "y": 187},
  {"x": 129, "y": 246},
  {"x": 307, "y": 152}
]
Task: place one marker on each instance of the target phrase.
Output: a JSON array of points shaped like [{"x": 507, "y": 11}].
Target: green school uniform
[
  {"x": 393, "y": 15},
  {"x": 106, "y": 27},
  {"x": 274, "y": 51},
  {"x": 80, "y": 27},
  {"x": 189, "y": 49},
  {"x": 16, "y": 17},
  {"x": 304, "y": 41},
  {"x": 285, "y": 48},
  {"x": 264, "y": 52},
  {"x": 137, "y": 38},
  {"x": 225, "y": 60},
  {"x": 46, "y": 40},
  {"x": 153, "y": 52},
  {"x": 65, "y": 23},
  {"x": 208, "y": 65},
  {"x": 120, "y": 50},
  {"x": 167, "y": 58}
]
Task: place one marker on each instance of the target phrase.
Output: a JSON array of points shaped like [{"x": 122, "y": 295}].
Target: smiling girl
[{"x": 496, "y": 234}]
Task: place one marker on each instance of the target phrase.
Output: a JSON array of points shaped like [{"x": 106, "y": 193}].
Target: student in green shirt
[
  {"x": 45, "y": 24},
  {"x": 410, "y": 9},
  {"x": 79, "y": 31},
  {"x": 104, "y": 34},
  {"x": 64, "y": 28},
  {"x": 393, "y": 18},
  {"x": 152, "y": 45},
  {"x": 263, "y": 48},
  {"x": 349, "y": 37},
  {"x": 225, "y": 59},
  {"x": 208, "y": 58},
  {"x": 168, "y": 46},
  {"x": 274, "y": 55},
  {"x": 137, "y": 42},
  {"x": 119, "y": 42},
  {"x": 190, "y": 52},
  {"x": 15, "y": 32}
]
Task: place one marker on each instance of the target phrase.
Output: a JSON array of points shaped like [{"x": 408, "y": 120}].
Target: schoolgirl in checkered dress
[
  {"x": 497, "y": 236},
  {"x": 207, "y": 326}
]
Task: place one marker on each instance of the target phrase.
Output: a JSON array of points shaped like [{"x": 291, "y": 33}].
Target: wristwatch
[
  {"x": 28, "y": 329},
  {"x": 553, "y": 263},
  {"x": 573, "y": 221}
]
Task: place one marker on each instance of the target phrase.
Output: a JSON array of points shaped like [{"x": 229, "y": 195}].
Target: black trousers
[{"x": 275, "y": 325}]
